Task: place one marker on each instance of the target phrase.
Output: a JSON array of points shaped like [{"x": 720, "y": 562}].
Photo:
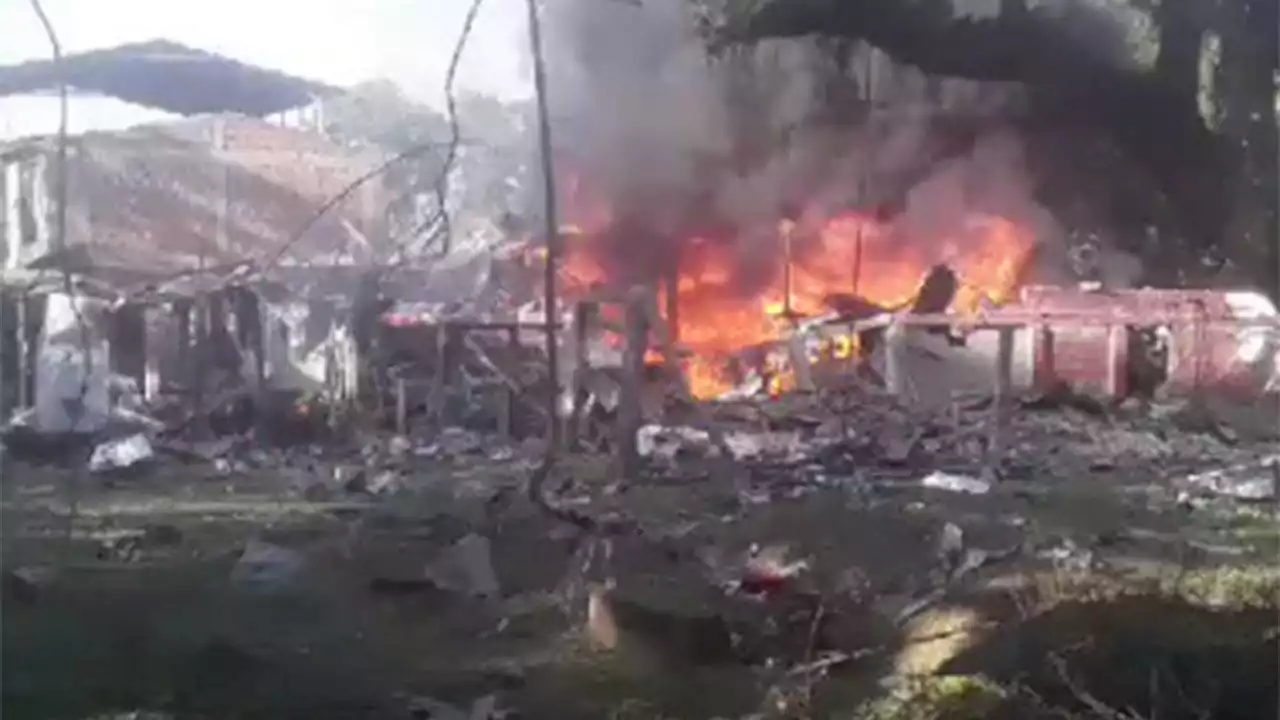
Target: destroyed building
[
  {"x": 170, "y": 234},
  {"x": 174, "y": 226}
]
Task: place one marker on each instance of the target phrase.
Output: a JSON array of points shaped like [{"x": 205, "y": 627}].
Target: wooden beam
[
  {"x": 507, "y": 404},
  {"x": 1000, "y": 394},
  {"x": 584, "y": 317},
  {"x": 630, "y": 415}
]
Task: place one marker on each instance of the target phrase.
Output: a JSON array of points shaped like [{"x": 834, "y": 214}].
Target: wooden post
[
  {"x": 438, "y": 377},
  {"x": 16, "y": 225},
  {"x": 217, "y": 336},
  {"x": 127, "y": 343},
  {"x": 1115, "y": 388},
  {"x": 507, "y": 408},
  {"x": 25, "y": 345},
  {"x": 1000, "y": 394},
  {"x": 552, "y": 228},
  {"x": 402, "y": 408},
  {"x": 584, "y": 314},
  {"x": 150, "y": 362},
  {"x": 37, "y": 307},
  {"x": 629, "y": 412},
  {"x": 1004, "y": 363},
  {"x": 446, "y": 336},
  {"x": 1046, "y": 369},
  {"x": 249, "y": 331},
  {"x": 215, "y": 319},
  {"x": 798, "y": 354},
  {"x": 6, "y": 406},
  {"x": 182, "y": 313},
  {"x": 895, "y": 349},
  {"x": 200, "y": 357}
]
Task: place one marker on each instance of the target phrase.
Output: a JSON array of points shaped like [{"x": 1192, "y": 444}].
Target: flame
[{"x": 847, "y": 253}]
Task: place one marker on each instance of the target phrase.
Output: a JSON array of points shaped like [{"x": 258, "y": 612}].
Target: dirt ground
[{"x": 1101, "y": 593}]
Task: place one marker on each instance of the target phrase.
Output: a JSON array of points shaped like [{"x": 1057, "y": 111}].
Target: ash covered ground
[{"x": 838, "y": 556}]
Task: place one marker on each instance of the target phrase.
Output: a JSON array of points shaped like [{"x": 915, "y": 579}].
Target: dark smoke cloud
[{"x": 655, "y": 127}]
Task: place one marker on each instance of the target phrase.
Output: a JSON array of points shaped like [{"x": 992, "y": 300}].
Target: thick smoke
[
  {"x": 668, "y": 137},
  {"x": 634, "y": 100}
]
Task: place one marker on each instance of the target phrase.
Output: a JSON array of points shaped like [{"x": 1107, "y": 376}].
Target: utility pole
[{"x": 551, "y": 228}]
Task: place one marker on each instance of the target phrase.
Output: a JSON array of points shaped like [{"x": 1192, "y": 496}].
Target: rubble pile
[
  {"x": 865, "y": 436},
  {"x": 797, "y": 525}
]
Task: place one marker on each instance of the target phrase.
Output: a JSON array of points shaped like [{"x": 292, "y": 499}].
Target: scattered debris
[
  {"x": 1254, "y": 481},
  {"x": 668, "y": 443},
  {"x": 382, "y": 482},
  {"x": 132, "y": 547},
  {"x": 956, "y": 483},
  {"x": 454, "y": 442},
  {"x": 768, "y": 570},
  {"x": 121, "y": 453},
  {"x": 1068, "y": 556},
  {"x": 951, "y": 547}
]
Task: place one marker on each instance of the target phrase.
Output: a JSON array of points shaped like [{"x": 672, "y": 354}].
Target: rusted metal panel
[
  {"x": 1210, "y": 352},
  {"x": 1216, "y": 340},
  {"x": 1088, "y": 356}
]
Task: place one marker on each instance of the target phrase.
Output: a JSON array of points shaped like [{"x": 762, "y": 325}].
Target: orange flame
[{"x": 717, "y": 320}]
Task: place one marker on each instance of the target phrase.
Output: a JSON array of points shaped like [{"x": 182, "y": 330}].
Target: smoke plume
[{"x": 676, "y": 142}]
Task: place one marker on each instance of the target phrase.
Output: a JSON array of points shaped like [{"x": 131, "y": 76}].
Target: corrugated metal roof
[{"x": 168, "y": 76}]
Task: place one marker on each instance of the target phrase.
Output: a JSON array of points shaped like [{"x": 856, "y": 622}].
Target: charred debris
[
  {"x": 196, "y": 372},
  {"x": 231, "y": 332},
  {"x": 165, "y": 335}
]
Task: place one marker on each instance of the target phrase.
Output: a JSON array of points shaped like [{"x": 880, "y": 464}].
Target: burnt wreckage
[
  {"x": 189, "y": 304},
  {"x": 151, "y": 280}
]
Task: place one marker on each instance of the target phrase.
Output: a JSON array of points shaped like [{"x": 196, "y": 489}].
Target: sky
[{"x": 336, "y": 41}]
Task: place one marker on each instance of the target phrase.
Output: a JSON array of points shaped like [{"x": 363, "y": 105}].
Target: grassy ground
[{"x": 1179, "y": 620}]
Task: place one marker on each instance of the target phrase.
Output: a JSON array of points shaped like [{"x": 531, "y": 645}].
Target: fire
[{"x": 847, "y": 254}]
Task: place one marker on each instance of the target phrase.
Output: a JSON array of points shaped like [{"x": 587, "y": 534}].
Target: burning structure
[
  {"x": 777, "y": 232},
  {"x": 766, "y": 230}
]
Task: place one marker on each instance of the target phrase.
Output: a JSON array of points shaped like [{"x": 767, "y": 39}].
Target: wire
[
  {"x": 441, "y": 217},
  {"x": 441, "y": 184},
  {"x": 441, "y": 187},
  {"x": 407, "y": 154},
  {"x": 76, "y": 410}
]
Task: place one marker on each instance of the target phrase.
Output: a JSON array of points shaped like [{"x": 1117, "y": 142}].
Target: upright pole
[
  {"x": 630, "y": 414},
  {"x": 551, "y": 225}
]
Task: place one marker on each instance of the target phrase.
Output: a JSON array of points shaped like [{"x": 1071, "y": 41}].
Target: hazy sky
[{"x": 338, "y": 41}]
